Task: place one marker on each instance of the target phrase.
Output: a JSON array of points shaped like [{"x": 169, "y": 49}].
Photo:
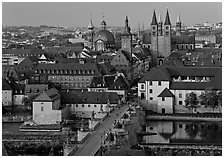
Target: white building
[
  {"x": 47, "y": 108},
  {"x": 167, "y": 88}
]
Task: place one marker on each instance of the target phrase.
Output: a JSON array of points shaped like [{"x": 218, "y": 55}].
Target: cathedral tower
[
  {"x": 126, "y": 37},
  {"x": 178, "y": 26},
  {"x": 91, "y": 32},
  {"x": 154, "y": 38}
]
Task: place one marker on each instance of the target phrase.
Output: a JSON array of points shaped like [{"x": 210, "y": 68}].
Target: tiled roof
[
  {"x": 156, "y": 74},
  {"x": 5, "y": 85},
  {"x": 105, "y": 58},
  {"x": 35, "y": 88},
  {"x": 70, "y": 68},
  {"x": 90, "y": 97},
  {"x": 189, "y": 85},
  {"x": 166, "y": 93},
  {"x": 97, "y": 82},
  {"x": 28, "y": 62},
  {"x": 193, "y": 71},
  {"x": 119, "y": 83},
  {"x": 18, "y": 88},
  {"x": 183, "y": 39},
  {"x": 18, "y": 52},
  {"x": 172, "y": 63},
  {"x": 58, "y": 50},
  {"x": 75, "y": 60},
  {"x": 216, "y": 82},
  {"x": 49, "y": 95},
  {"x": 109, "y": 80}
]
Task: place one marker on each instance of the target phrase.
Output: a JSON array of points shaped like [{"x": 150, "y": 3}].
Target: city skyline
[{"x": 74, "y": 14}]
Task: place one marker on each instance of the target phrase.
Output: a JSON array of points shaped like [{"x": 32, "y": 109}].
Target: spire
[
  {"x": 90, "y": 26},
  {"x": 139, "y": 31},
  {"x": 103, "y": 24},
  {"x": 160, "y": 19},
  {"x": 154, "y": 21},
  {"x": 126, "y": 27},
  {"x": 178, "y": 19},
  {"x": 167, "y": 20},
  {"x": 143, "y": 28}
]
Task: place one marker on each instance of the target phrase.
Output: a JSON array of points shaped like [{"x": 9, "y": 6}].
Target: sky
[{"x": 73, "y": 14}]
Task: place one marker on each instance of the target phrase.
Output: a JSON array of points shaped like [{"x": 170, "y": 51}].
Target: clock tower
[{"x": 126, "y": 37}]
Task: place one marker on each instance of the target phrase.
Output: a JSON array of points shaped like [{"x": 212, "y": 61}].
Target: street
[{"x": 90, "y": 146}]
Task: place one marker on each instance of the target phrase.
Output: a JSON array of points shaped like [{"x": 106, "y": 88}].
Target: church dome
[
  {"x": 103, "y": 23},
  {"x": 106, "y": 36}
]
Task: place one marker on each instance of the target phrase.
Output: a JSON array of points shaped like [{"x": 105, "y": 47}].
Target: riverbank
[{"x": 182, "y": 118}]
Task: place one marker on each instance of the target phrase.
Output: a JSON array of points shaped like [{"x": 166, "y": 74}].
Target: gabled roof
[
  {"x": 49, "y": 95},
  {"x": 35, "y": 88},
  {"x": 5, "y": 85},
  {"x": 172, "y": 63},
  {"x": 183, "y": 39},
  {"x": 75, "y": 60},
  {"x": 97, "y": 82},
  {"x": 156, "y": 74},
  {"x": 29, "y": 62},
  {"x": 189, "y": 85},
  {"x": 119, "y": 83},
  {"x": 90, "y": 97},
  {"x": 193, "y": 71},
  {"x": 166, "y": 93},
  {"x": 19, "y": 52},
  {"x": 216, "y": 82},
  {"x": 85, "y": 68}
]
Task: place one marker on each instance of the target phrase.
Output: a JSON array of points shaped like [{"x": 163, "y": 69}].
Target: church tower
[
  {"x": 154, "y": 38},
  {"x": 160, "y": 26},
  {"x": 178, "y": 26},
  {"x": 103, "y": 24},
  {"x": 126, "y": 37},
  {"x": 160, "y": 39},
  {"x": 91, "y": 32},
  {"x": 167, "y": 35}
]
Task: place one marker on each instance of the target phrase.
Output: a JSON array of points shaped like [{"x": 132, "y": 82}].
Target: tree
[
  {"x": 191, "y": 101},
  {"x": 27, "y": 101},
  {"x": 211, "y": 98}
]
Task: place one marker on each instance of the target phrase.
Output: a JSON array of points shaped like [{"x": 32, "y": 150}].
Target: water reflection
[{"x": 170, "y": 132}]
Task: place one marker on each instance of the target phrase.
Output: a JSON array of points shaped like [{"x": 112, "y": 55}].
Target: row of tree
[{"x": 209, "y": 98}]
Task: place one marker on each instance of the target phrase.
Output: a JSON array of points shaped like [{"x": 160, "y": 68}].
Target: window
[
  {"x": 180, "y": 102},
  {"x": 154, "y": 28},
  {"x": 167, "y": 27},
  {"x": 77, "y": 105},
  {"x": 82, "y": 105},
  {"x": 159, "y": 83},
  {"x": 150, "y": 83},
  {"x": 167, "y": 33},
  {"x": 151, "y": 98},
  {"x": 153, "y": 33},
  {"x": 180, "y": 125},
  {"x": 180, "y": 95},
  {"x": 42, "y": 109},
  {"x": 94, "y": 106},
  {"x": 163, "y": 99},
  {"x": 150, "y": 90},
  {"x": 142, "y": 86},
  {"x": 151, "y": 128}
]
